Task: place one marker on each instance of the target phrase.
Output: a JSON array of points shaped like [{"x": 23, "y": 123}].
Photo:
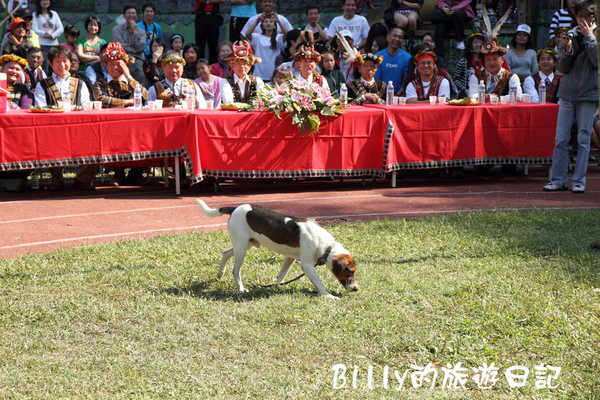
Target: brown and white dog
[{"x": 295, "y": 238}]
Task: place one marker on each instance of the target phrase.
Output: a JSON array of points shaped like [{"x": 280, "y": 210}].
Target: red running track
[{"x": 41, "y": 221}]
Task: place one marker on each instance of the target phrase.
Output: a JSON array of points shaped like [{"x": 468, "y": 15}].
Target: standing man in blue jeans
[
  {"x": 208, "y": 25},
  {"x": 241, "y": 12},
  {"x": 578, "y": 93}
]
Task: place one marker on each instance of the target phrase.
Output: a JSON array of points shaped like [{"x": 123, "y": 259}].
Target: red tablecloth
[
  {"x": 428, "y": 136},
  {"x": 257, "y": 144},
  {"x": 29, "y": 140}
]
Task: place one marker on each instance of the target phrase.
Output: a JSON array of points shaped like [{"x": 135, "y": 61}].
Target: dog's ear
[{"x": 341, "y": 263}]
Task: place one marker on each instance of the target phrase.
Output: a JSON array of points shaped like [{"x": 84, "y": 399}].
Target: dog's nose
[{"x": 352, "y": 287}]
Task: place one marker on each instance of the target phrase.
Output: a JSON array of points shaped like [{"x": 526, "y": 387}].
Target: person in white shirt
[
  {"x": 61, "y": 86},
  {"x": 267, "y": 7},
  {"x": 356, "y": 24},
  {"x": 497, "y": 79},
  {"x": 240, "y": 87},
  {"x": 267, "y": 45},
  {"x": 547, "y": 61},
  {"x": 47, "y": 24},
  {"x": 427, "y": 82},
  {"x": 173, "y": 89},
  {"x": 307, "y": 58}
]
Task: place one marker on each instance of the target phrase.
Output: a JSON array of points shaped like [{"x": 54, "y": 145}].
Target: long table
[{"x": 370, "y": 140}]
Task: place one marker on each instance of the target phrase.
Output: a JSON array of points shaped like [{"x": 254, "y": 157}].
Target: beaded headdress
[
  {"x": 114, "y": 51},
  {"x": 242, "y": 51},
  {"x": 6, "y": 58},
  {"x": 307, "y": 50},
  {"x": 491, "y": 45}
]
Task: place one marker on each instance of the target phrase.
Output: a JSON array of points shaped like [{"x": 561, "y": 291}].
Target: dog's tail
[{"x": 214, "y": 212}]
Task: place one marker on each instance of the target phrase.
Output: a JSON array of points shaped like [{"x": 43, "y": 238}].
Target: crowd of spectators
[{"x": 264, "y": 48}]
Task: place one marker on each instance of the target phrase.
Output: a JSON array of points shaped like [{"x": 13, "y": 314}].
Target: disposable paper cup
[
  {"x": 432, "y": 100},
  {"x": 494, "y": 99},
  {"x": 526, "y": 98},
  {"x": 442, "y": 99},
  {"x": 402, "y": 100},
  {"x": 66, "y": 105},
  {"x": 60, "y": 104},
  {"x": 209, "y": 104},
  {"x": 503, "y": 100},
  {"x": 89, "y": 106},
  {"x": 395, "y": 100},
  {"x": 158, "y": 104},
  {"x": 97, "y": 105},
  {"x": 151, "y": 105}
]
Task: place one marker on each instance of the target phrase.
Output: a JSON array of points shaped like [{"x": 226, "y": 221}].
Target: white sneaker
[
  {"x": 578, "y": 188},
  {"x": 460, "y": 45}
]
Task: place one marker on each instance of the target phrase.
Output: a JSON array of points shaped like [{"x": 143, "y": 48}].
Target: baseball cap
[
  {"x": 346, "y": 32},
  {"x": 524, "y": 28},
  {"x": 24, "y": 13}
]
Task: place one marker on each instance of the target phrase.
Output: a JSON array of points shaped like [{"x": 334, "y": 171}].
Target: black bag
[{"x": 438, "y": 15}]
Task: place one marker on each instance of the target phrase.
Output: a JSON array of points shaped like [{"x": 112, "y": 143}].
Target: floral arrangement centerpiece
[{"x": 302, "y": 100}]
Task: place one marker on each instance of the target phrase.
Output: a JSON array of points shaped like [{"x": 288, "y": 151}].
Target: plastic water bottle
[
  {"x": 66, "y": 98},
  {"x": 542, "y": 93},
  {"x": 512, "y": 95},
  {"x": 481, "y": 92},
  {"x": 137, "y": 97},
  {"x": 35, "y": 179},
  {"x": 389, "y": 97},
  {"x": 343, "y": 95},
  {"x": 189, "y": 98}
]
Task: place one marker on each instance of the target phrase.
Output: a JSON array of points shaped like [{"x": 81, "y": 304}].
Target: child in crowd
[
  {"x": 152, "y": 68},
  {"x": 267, "y": 45},
  {"x": 176, "y": 43},
  {"x": 280, "y": 74},
  {"x": 72, "y": 36},
  {"x": 334, "y": 76},
  {"x": 88, "y": 47},
  {"x": 208, "y": 84},
  {"x": 190, "y": 55}
]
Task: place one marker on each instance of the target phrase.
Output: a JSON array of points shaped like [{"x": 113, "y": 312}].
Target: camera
[{"x": 570, "y": 34}]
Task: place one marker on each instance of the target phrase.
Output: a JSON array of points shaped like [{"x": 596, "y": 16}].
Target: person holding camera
[
  {"x": 268, "y": 12},
  {"x": 578, "y": 93}
]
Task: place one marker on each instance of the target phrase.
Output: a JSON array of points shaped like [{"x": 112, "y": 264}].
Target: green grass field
[{"x": 147, "y": 319}]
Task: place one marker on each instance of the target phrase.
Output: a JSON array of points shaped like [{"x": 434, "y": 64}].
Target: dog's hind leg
[
  {"x": 227, "y": 254},
  {"x": 285, "y": 267},
  {"x": 239, "y": 253}
]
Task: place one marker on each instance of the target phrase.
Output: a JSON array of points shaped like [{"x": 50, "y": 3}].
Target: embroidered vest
[
  {"x": 169, "y": 98},
  {"x": 434, "y": 87},
  {"x": 501, "y": 88},
  {"x": 53, "y": 96},
  {"x": 360, "y": 89},
  {"x": 551, "y": 89},
  {"x": 249, "y": 90}
]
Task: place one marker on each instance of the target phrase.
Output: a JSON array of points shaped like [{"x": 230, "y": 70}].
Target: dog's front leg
[
  {"x": 311, "y": 273},
  {"x": 285, "y": 267}
]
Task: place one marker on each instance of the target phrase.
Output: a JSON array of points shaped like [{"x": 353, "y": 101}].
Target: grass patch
[{"x": 147, "y": 319}]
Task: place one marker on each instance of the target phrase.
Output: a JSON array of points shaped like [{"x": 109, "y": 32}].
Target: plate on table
[
  {"x": 46, "y": 109},
  {"x": 233, "y": 106},
  {"x": 463, "y": 102}
]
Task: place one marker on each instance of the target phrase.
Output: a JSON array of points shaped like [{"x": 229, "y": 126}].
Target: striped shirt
[{"x": 561, "y": 19}]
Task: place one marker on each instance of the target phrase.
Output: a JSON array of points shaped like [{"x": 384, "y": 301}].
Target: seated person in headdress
[
  {"x": 58, "y": 87},
  {"x": 427, "y": 82},
  {"x": 547, "y": 62},
  {"x": 497, "y": 79},
  {"x": 241, "y": 87},
  {"x": 367, "y": 89},
  {"x": 13, "y": 66},
  {"x": 307, "y": 58},
  {"x": 172, "y": 89},
  {"x": 116, "y": 91}
]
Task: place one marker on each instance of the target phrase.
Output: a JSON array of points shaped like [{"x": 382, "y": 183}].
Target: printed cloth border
[
  {"x": 63, "y": 162},
  {"x": 470, "y": 161},
  {"x": 341, "y": 173}
]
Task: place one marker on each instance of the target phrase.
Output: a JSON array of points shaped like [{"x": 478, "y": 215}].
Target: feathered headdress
[
  {"x": 349, "y": 54},
  {"x": 361, "y": 58},
  {"x": 491, "y": 45},
  {"x": 114, "y": 51},
  {"x": 307, "y": 50},
  {"x": 242, "y": 51}
]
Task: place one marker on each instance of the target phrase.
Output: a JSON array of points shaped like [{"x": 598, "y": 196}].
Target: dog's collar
[{"x": 323, "y": 259}]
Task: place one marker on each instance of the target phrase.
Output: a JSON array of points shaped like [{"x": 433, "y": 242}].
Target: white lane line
[
  {"x": 436, "y": 194},
  {"x": 323, "y": 217}
]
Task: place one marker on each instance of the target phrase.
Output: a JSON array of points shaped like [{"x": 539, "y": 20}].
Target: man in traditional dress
[
  {"x": 173, "y": 89},
  {"x": 497, "y": 79},
  {"x": 307, "y": 58},
  {"x": 427, "y": 82},
  {"x": 240, "y": 87},
  {"x": 367, "y": 89},
  {"x": 547, "y": 62},
  {"x": 59, "y": 87}
]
